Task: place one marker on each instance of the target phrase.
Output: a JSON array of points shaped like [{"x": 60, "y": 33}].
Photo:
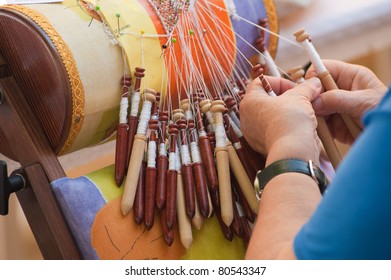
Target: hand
[
  {"x": 359, "y": 91},
  {"x": 283, "y": 126}
]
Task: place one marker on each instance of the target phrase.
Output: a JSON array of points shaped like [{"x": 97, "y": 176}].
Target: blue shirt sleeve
[{"x": 353, "y": 220}]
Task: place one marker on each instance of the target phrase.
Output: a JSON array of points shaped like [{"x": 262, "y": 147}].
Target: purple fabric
[
  {"x": 80, "y": 200},
  {"x": 252, "y": 10}
]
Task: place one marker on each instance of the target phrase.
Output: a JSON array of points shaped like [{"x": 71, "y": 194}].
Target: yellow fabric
[
  {"x": 113, "y": 234},
  {"x": 133, "y": 21}
]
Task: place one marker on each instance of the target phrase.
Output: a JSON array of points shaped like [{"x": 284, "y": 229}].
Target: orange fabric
[{"x": 223, "y": 54}]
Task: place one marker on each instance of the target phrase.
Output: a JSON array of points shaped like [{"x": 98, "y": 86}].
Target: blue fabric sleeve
[{"x": 353, "y": 220}]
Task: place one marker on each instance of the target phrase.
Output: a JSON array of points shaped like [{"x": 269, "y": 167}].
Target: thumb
[
  {"x": 339, "y": 101},
  {"x": 310, "y": 88}
]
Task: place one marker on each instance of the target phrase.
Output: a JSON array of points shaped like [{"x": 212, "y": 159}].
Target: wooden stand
[{"x": 27, "y": 138}]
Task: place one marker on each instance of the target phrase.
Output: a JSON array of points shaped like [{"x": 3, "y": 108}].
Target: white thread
[
  {"x": 178, "y": 159},
  {"x": 236, "y": 90},
  {"x": 123, "y": 110},
  {"x": 234, "y": 118},
  {"x": 209, "y": 128},
  {"x": 185, "y": 155},
  {"x": 271, "y": 65},
  {"x": 191, "y": 5},
  {"x": 300, "y": 80},
  {"x": 202, "y": 133},
  {"x": 172, "y": 161},
  {"x": 189, "y": 115},
  {"x": 195, "y": 152},
  {"x": 237, "y": 145},
  {"x": 162, "y": 149},
  {"x": 135, "y": 103},
  {"x": 144, "y": 117},
  {"x": 314, "y": 57},
  {"x": 236, "y": 129},
  {"x": 232, "y": 9},
  {"x": 257, "y": 26},
  {"x": 240, "y": 209},
  {"x": 211, "y": 120},
  {"x": 220, "y": 135},
  {"x": 272, "y": 93},
  {"x": 151, "y": 154}
]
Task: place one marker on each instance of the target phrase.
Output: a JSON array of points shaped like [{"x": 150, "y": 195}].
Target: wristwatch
[{"x": 289, "y": 165}]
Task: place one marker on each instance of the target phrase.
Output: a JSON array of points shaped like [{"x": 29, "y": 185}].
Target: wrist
[{"x": 304, "y": 148}]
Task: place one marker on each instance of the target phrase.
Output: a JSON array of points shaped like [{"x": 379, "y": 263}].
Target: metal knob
[{"x": 8, "y": 185}]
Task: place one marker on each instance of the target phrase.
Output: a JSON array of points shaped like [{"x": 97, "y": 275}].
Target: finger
[
  {"x": 280, "y": 85},
  {"x": 340, "y": 101},
  {"x": 348, "y": 76},
  {"x": 255, "y": 88},
  {"x": 339, "y": 131},
  {"x": 310, "y": 89}
]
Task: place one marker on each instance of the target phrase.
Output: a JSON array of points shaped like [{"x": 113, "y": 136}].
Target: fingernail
[
  {"x": 315, "y": 81},
  {"x": 317, "y": 104}
]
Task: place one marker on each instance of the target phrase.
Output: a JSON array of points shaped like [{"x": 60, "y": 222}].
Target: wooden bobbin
[
  {"x": 172, "y": 180},
  {"x": 301, "y": 35},
  {"x": 139, "y": 204},
  {"x": 168, "y": 233},
  {"x": 133, "y": 120},
  {"x": 149, "y": 95},
  {"x": 241, "y": 176},
  {"x": 162, "y": 163},
  {"x": 135, "y": 162},
  {"x": 240, "y": 150},
  {"x": 250, "y": 215},
  {"x": 258, "y": 72},
  {"x": 328, "y": 83},
  {"x": 206, "y": 149},
  {"x": 322, "y": 129},
  {"x": 121, "y": 145},
  {"x": 150, "y": 180},
  {"x": 198, "y": 219},
  {"x": 205, "y": 108},
  {"x": 201, "y": 188},
  {"x": 126, "y": 83},
  {"x": 155, "y": 107},
  {"x": 185, "y": 106},
  {"x": 223, "y": 170},
  {"x": 187, "y": 172},
  {"x": 230, "y": 102},
  {"x": 138, "y": 74},
  {"x": 184, "y": 223},
  {"x": 236, "y": 225},
  {"x": 297, "y": 74}
]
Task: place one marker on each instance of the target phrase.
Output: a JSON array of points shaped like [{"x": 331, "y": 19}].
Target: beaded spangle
[{"x": 169, "y": 11}]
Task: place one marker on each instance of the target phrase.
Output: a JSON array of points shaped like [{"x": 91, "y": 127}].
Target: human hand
[
  {"x": 284, "y": 126},
  {"x": 359, "y": 91}
]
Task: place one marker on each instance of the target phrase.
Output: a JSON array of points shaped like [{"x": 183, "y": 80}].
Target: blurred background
[{"x": 356, "y": 31}]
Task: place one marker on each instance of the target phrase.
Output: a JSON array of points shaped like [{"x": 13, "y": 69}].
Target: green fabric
[{"x": 104, "y": 180}]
